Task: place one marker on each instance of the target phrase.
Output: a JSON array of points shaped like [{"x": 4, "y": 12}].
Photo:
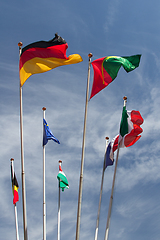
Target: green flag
[{"x": 63, "y": 182}]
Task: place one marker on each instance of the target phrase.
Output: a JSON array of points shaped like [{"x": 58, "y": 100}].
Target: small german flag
[
  {"x": 43, "y": 56},
  {"x": 15, "y": 186}
]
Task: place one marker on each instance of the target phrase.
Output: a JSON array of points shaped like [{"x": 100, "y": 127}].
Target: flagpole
[
  {"x": 82, "y": 157},
  {"x": 113, "y": 183},
  {"x": 58, "y": 232},
  {"x": 15, "y": 207},
  {"x": 16, "y": 221},
  {"x": 100, "y": 197},
  {"x": 22, "y": 160},
  {"x": 44, "y": 187}
]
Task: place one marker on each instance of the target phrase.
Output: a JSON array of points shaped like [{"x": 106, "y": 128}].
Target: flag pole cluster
[
  {"x": 128, "y": 135},
  {"x": 42, "y": 56}
]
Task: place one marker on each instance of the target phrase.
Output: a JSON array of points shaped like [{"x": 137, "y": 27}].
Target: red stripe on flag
[
  {"x": 115, "y": 145},
  {"x": 60, "y": 169},
  {"x": 133, "y": 137},
  {"x": 136, "y": 117},
  {"x": 16, "y": 197},
  {"x": 129, "y": 141},
  {"x": 99, "y": 82},
  {"x": 57, "y": 51}
]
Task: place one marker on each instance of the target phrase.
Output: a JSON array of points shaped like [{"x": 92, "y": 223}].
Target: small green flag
[{"x": 63, "y": 182}]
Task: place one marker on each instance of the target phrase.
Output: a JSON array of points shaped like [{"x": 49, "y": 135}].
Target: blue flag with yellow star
[{"x": 47, "y": 134}]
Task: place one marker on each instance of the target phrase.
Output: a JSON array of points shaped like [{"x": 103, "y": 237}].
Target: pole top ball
[
  {"x": 90, "y": 55},
  {"x": 124, "y": 98},
  {"x": 20, "y": 44}
]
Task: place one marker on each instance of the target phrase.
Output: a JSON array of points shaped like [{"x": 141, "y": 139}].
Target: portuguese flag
[
  {"x": 63, "y": 182},
  {"x": 15, "y": 186},
  {"x": 106, "y": 70},
  {"x": 43, "y": 56}
]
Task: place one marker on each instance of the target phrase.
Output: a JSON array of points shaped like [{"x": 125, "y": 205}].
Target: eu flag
[{"x": 47, "y": 134}]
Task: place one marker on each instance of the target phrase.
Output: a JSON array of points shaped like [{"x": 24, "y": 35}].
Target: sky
[{"x": 104, "y": 28}]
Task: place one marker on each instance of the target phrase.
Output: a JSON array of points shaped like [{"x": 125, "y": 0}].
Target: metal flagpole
[
  {"x": 15, "y": 207},
  {"x": 111, "y": 198},
  {"x": 16, "y": 221},
  {"x": 82, "y": 157},
  {"x": 44, "y": 188},
  {"x": 58, "y": 232},
  {"x": 100, "y": 197},
  {"x": 22, "y": 160}
]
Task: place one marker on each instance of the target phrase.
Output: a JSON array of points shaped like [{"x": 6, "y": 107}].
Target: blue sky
[{"x": 103, "y": 28}]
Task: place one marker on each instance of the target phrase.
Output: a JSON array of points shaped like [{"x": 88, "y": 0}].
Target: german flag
[
  {"x": 15, "y": 186},
  {"x": 43, "y": 56}
]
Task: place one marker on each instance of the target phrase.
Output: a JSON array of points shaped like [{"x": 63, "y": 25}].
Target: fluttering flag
[
  {"x": 15, "y": 186},
  {"x": 63, "y": 182},
  {"x": 129, "y": 134},
  {"x": 109, "y": 155},
  {"x": 130, "y": 127},
  {"x": 42, "y": 56},
  {"x": 109, "y": 160},
  {"x": 47, "y": 134},
  {"x": 106, "y": 70}
]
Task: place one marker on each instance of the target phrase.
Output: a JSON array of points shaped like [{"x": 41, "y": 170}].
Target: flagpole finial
[
  {"x": 44, "y": 109},
  {"x": 90, "y": 55},
  {"x": 125, "y": 98},
  {"x": 20, "y": 44},
  {"x": 60, "y": 161},
  {"x": 12, "y": 159},
  {"x": 107, "y": 141}
]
